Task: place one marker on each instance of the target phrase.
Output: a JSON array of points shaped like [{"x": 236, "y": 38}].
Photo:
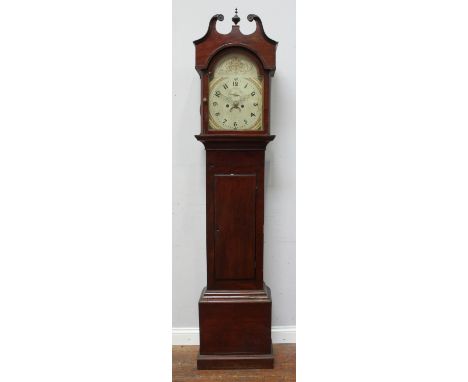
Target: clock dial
[{"x": 235, "y": 94}]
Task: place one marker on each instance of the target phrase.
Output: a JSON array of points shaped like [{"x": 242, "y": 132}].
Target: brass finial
[{"x": 236, "y": 18}]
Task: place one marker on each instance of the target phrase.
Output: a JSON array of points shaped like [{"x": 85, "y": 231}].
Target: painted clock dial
[{"x": 235, "y": 94}]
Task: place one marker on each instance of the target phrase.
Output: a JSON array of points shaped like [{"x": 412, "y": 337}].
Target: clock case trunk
[{"x": 235, "y": 306}]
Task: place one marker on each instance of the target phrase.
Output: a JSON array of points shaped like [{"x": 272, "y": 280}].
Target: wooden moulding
[
  {"x": 235, "y": 142},
  {"x": 241, "y": 295},
  {"x": 226, "y": 362}
]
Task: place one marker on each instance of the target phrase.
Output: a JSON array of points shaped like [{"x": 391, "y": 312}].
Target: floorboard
[{"x": 184, "y": 367}]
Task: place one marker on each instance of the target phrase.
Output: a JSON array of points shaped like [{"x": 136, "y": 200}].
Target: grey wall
[{"x": 190, "y": 21}]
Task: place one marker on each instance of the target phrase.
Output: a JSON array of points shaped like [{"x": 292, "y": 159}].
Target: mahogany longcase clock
[{"x": 235, "y": 306}]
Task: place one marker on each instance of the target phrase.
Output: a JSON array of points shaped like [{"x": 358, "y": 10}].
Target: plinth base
[{"x": 235, "y": 329}]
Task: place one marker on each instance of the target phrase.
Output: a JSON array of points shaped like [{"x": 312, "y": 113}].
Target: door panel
[{"x": 234, "y": 218}]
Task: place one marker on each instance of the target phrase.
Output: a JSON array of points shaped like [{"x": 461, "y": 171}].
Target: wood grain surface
[{"x": 184, "y": 367}]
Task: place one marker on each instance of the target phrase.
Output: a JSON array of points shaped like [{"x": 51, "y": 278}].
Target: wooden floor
[{"x": 184, "y": 367}]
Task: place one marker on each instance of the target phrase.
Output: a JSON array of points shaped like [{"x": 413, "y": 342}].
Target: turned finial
[{"x": 236, "y": 18}]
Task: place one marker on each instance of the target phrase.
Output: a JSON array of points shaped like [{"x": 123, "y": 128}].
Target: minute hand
[{"x": 244, "y": 98}]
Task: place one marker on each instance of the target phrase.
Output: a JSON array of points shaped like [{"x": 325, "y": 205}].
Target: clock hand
[
  {"x": 244, "y": 98},
  {"x": 218, "y": 94},
  {"x": 226, "y": 98}
]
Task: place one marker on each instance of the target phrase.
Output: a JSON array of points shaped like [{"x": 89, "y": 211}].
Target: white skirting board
[{"x": 190, "y": 336}]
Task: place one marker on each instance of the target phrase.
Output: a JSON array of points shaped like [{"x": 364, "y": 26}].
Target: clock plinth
[
  {"x": 235, "y": 329},
  {"x": 235, "y": 306}
]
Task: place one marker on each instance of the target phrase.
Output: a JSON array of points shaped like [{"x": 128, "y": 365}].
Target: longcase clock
[{"x": 235, "y": 306}]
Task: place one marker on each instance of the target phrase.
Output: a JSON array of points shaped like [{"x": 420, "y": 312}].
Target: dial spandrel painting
[{"x": 235, "y": 94}]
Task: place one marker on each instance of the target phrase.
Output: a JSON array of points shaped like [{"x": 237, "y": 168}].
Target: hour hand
[{"x": 223, "y": 97}]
